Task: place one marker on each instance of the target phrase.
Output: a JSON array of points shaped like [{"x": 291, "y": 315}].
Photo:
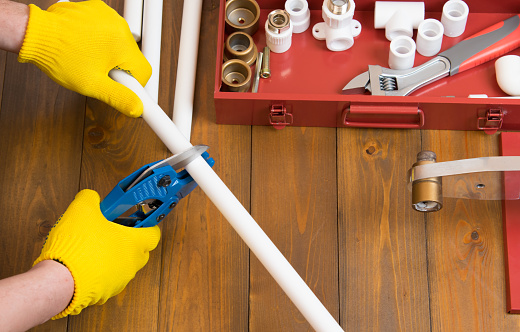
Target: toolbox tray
[{"x": 306, "y": 81}]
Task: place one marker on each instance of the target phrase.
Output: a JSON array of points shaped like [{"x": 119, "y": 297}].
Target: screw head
[
  {"x": 161, "y": 217},
  {"x": 165, "y": 181},
  {"x": 174, "y": 204}
]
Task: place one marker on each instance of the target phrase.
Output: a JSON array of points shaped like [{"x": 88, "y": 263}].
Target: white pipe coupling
[
  {"x": 508, "y": 74},
  {"x": 429, "y": 37},
  {"x": 454, "y": 17},
  {"x": 278, "y": 31},
  {"x": 300, "y": 14},
  {"x": 398, "y": 18},
  {"x": 402, "y": 53},
  {"x": 338, "y": 29}
]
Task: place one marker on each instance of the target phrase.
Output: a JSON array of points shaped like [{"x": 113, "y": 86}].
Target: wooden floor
[{"x": 334, "y": 201}]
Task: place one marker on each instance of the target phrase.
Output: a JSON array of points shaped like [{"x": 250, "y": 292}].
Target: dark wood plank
[
  {"x": 205, "y": 266},
  {"x": 3, "y": 56},
  {"x": 294, "y": 200},
  {"x": 382, "y": 257},
  {"x": 465, "y": 248},
  {"x": 40, "y": 155}
]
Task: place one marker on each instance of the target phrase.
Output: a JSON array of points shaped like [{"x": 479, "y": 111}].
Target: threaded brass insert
[
  {"x": 278, "y": 21},
  {"x": 338, "y": 7}
]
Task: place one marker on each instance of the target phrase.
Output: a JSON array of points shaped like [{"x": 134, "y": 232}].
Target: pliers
[
  {"x": 154, "y": 190},
  {"x": 486, "y": 45}
]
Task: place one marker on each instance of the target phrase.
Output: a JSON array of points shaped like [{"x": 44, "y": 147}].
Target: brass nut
[
  {"x": 240, "y": 45},
  {"x": 242, "y": 15},
  {"x": 427, "y": 193},
  {"x": 278, "y": 21},
  {"x": 236, "y": 76},
  {"x": 338, "y": 7}
]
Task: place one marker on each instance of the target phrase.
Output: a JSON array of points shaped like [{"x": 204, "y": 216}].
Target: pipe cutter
[{"x": 154, "y": 189}]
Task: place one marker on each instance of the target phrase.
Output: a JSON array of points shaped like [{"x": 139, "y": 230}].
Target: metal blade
[
  {"x": 177, "y": 162},
  {"x": 358, "y": 84}
]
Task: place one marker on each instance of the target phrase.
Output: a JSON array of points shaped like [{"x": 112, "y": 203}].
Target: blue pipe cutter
[{"x": 154, "y": 189}]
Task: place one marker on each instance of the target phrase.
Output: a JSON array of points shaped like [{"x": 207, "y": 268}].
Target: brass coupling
[
  {"x": 338, "y": 7},
  {"x": 278, "y": 21},
  {"x": 427, "y": 193},
  {"x": 240, "y": 45},
  {"x": 242, "y": 15},
  {"x": 236, "y": 76}
]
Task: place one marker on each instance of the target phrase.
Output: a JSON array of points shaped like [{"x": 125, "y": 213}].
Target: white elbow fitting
[
  {"x": 508, "y": 74},
  {"x": 338, "y": 29},
  {"x": 300, "y": 14},
  {"x": 454, "y": 17},
  {"x": 402, "y": 53},
  {"x": 429, "y": 37},
  {"x": 398, "y": 18},
  {"x": 278, "y": 31}
]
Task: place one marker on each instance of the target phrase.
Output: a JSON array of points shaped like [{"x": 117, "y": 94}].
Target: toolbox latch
[
  {"x": 491, "y": 122},
  {"x": 279, "y": 117}
]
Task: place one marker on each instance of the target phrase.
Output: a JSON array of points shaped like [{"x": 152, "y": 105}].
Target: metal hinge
[
  {"x": 279, "y": 117},
  {"x": 491, "y": 122}
]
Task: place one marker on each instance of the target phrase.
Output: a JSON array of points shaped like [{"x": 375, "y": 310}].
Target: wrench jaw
[{"x": 382, "y": 81}]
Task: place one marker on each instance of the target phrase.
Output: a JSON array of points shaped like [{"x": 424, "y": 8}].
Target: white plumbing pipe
[
  {"x": 507, "y": 70},
  {"x": 402, "y": 53},
  {"x": 259, "y": 243},
  {"x": 151, "y": 44},
  {"x": 187, "y": 66},
  {"x": 133, "y": 14},
  {"x": 398, "y": 18}
]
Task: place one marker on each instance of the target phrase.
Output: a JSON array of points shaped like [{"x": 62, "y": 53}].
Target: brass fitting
[
  {"x": 240, "y": 45},
  {"x": 427, "y": 193},
  {"x": 242, "y": 15},
  {"x": 338, "y": 7},
  {"x": 236, "y": 76},
  {"x": 278, "y": 21}
]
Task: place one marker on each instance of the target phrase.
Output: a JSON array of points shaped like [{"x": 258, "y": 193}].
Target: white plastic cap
[
  {"x": 402, "y": 53},
  {"x": 508, "y": 74},
  {"x": 454, "y": 17},
  {"x": 429, "y": 37},
  {"x": 300, "y": 14}
]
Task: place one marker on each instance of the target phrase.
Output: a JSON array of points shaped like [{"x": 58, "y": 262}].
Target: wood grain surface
[{"x": 334, "y": 201}]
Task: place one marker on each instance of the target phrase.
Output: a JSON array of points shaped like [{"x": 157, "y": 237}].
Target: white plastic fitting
[
  {"x": 300, "y": 14},
  {"x": 398, "y": 18},
  {"x": 508, "y": 74},
  {"x": 454, "y": 17},
  {"x": 429, "y": 37},
  {"x": 402, "y": 53},
  {"x": 278, "y": 31},
  {"x": 133, "y": 14},
  {"x": 339, "y": 28}
]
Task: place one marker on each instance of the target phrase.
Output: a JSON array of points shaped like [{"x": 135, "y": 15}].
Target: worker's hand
[
  {"x": 102, "y": 256},
  {"x": 78, "y": 43}
]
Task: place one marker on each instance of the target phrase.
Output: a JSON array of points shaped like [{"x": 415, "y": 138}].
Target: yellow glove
[
  {"x": 102, "y": 256},
  {"x": 78, "y": 43}
]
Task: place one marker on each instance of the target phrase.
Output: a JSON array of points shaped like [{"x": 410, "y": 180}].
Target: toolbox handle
[{"x": 372, "y": 116}]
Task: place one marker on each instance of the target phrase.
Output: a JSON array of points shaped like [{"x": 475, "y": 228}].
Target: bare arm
[
  {"x": 33, "y": 297},
  {"x": 13, "y": 23}
]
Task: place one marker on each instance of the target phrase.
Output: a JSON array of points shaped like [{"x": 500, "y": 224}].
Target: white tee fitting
[
  {"x": 402, "y": 53},
  {"x": 508, "y": 74},
  {"x": 429, "y": 37},
  {"x": 300, "y": 14},
  {"x": 398, "y": 18},
  {"x": 338, "y": 29},
  {"x": 278, "y": 31},
  {"x": 454, "y": 17}
]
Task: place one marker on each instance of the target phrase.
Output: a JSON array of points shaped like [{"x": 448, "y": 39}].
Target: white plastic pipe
[
  {"x": 133, "y": 14},
  {"x": 507, "y": 70},
  {"x": 151, "y": 44},
  {"x": 402, "y": 53},
  {"x": 187, "y": 66},
  {"x": 259, "y": 243},
  {"x": 429, "y": 37},
  {"x": 398, "y": 18}
]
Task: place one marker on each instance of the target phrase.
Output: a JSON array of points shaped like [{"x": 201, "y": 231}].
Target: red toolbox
[{"x": 306, "y": 81}]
